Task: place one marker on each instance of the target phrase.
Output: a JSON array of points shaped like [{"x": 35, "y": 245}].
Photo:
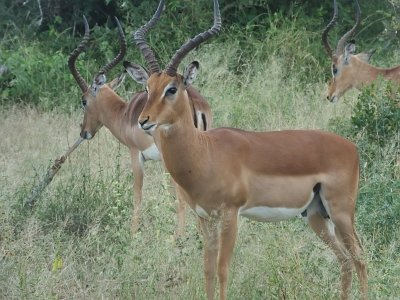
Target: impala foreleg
[
  {"x": 137, "y": 168},
  {"x": 345, "y": 227},
  {"x": 209, "y": 230},
  {"x": 181, "y": 207},
  {"x": 326, "y": 232},
  {"x": 227, "y": 243}
]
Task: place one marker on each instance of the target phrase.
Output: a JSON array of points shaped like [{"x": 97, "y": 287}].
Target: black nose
[{"x": 143, "y": 121}]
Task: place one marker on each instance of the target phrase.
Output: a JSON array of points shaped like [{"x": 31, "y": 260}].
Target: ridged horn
[
  {"x": 325, "y": 33},
  {"x": 121, "y": 53},
  {"x": 139, "y": 38},
  {"x": 74, "y": 55},
  {"x": 194, "y": 42},
  {"x": 342, "y": 42}
]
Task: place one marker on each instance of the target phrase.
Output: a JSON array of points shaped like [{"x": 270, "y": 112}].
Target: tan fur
[
  {"x": 109, "y": 110},
  {"x": 355, "y": 74},
  {"x": 224, "y": 170}
]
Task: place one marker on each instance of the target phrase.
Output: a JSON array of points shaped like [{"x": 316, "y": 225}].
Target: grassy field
[{"x": 76, "y": 243}]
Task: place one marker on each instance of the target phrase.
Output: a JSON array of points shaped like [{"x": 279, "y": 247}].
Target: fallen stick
[{"x": 36, "y": 191}]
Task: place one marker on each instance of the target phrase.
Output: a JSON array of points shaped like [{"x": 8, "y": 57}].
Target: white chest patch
[
  {"x": 201, "y": 212},
  {"x": 151, "y": 153},
  {"x": 269, "y": 214},
  {"x": 200, "y": 124}
]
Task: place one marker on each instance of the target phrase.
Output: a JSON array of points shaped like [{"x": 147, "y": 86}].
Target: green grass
[{"x": 76, "y": 243}]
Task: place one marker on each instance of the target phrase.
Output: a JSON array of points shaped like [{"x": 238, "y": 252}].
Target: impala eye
[
  {"x": 334, "y": 70},
  {"x": 171, "y": 91},
  {"x": 83, "y": 102}
]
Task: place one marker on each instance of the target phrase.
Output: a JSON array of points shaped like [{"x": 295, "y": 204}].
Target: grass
[{"x": 76, "y": 243}]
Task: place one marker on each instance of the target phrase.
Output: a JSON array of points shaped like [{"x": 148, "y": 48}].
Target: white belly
[
  {"x": 151, "y": 153},
  {"x": 270, "y": 214}
]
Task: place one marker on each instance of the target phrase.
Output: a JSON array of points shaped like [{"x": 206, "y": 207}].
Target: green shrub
[
  {"x": 35, "y": 77},
  {"x": 374, "y": 124},
  {"x": 376, "y": 116},
  {"x": 38, "y": 75}
]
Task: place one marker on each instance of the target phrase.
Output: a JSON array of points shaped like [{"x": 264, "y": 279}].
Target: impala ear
[
  {"x": 190, "y": 73},
  {"x": 98, "y": 82},
  {"x": 349, "y": 50},
  {"x": 116, "y": 82},
  {"x": 370, "y": 53},
  {"x": 138, "y": 73},
  {"x": 366, "y": 56}
]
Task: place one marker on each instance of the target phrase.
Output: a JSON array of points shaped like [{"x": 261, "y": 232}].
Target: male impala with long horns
[
  {"x": 225, "y": 173},
  {"x": 350, "y": 70},
  {"x": 104, "y": 107}
]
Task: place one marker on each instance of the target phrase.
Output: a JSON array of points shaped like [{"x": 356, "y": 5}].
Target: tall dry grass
[{"x": 76, "y": 243}]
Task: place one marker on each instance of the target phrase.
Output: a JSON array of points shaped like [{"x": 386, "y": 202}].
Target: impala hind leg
[
  {"x": 326, "y": 231},
  {"x": 137, "y": 168},
  {"x": 350, "y": 240}
]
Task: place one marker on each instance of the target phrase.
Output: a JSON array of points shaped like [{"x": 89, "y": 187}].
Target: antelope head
[
  {"x": 167, "y": 95},
  {"x": 98, "y": 90},
  {"x": 347, "y": 67}
]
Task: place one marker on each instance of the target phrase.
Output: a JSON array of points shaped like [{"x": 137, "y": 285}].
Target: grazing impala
[
  {"x": 267, "y": 176},
  {"x": 350, "y": 70},
  {"x": 104, "y": 107}
]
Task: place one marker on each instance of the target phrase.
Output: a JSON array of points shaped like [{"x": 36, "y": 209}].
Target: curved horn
[
  {"x": 140, "y": 41},
  {"x": 348, "y": 34},
  {"x": 74, "y": 55},
  {"x": 327, "y": 28},
  {"x": 194, "y": 42},
  {"x": 122, "y": 50}
]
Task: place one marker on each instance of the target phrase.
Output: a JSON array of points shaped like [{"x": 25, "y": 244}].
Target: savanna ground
[{"x": 76, "y": 242}]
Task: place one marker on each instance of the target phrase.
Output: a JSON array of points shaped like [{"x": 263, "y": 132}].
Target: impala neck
[
  {"x": 366, "y": 73},
  {"x": 111, "y": 108},
  {"x": 182, "y": 146}
]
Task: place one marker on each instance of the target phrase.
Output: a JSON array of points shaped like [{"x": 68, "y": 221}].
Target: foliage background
[
  {"x": 76, "y": 243},
  {"x": 37, "y": 36}
]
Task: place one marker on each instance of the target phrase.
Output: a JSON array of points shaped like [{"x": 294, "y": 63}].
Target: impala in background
[
  {"x": 103, "y": 107},
  {"x": 350, "y": 70},
  {"x": 266, "y": 176}
]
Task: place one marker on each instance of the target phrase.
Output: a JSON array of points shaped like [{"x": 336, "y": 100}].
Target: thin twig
[{"x": 37, "y": 191}]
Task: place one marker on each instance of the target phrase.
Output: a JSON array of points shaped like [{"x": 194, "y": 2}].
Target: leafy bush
[
  {"x": 38, "y": 75},
  {"x": 376, "y": 115},
  {"x": 374, "y": 123},
  {"x": 34, "y": 75}
]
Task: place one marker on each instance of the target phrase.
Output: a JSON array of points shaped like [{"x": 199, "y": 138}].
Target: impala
[
  {"x": 350, "y": 70},
  {"x": 266, "y": 176},
  {"x": 103, "y": 107}
]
